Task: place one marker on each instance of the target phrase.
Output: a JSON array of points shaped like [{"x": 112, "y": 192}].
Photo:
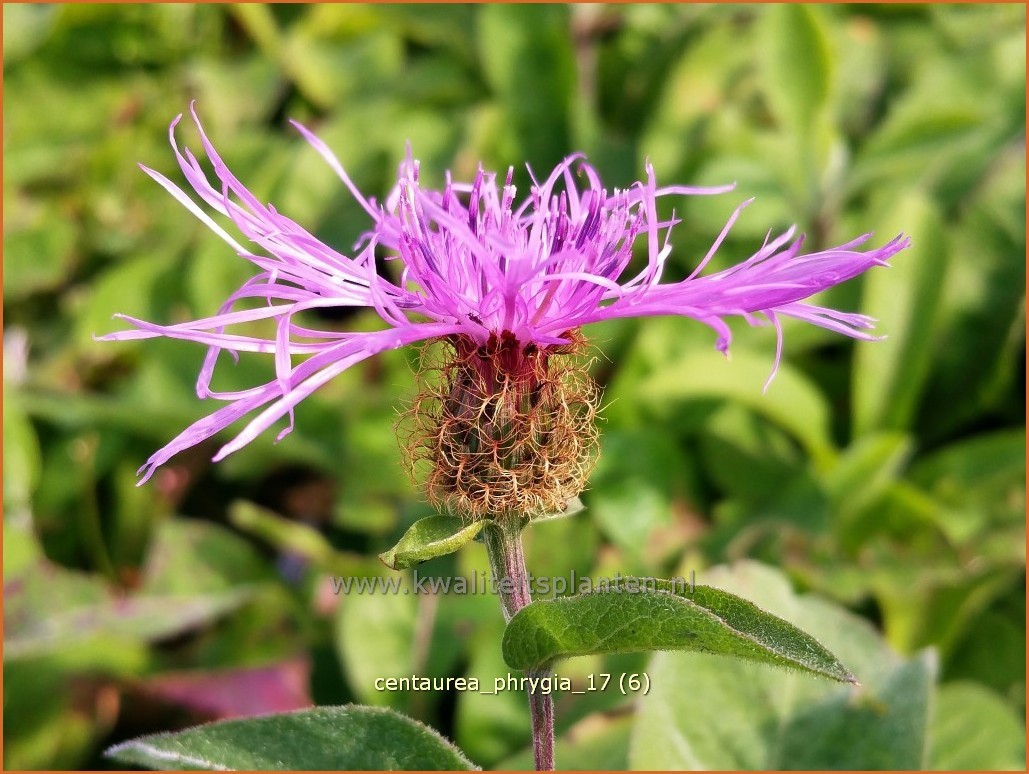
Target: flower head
[
  {"x": 501, "y": 427},
  {"x": 508, "y": 282}
]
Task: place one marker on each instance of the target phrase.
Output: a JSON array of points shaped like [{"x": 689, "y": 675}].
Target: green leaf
[
  {"x": 321, "y": 739},
  {"x": 428, "y": 538},
  {"x": 992, "y": 650},
  {"x": 376, "y": 636},
  {"x": 558, "y": 547},
  {"x": 55, "y": 719},
  {"x": 528, "y": 60},
  {"x": 214, "y": 274},
  {"x": 930, "y": 603},
  {"x": 453, "y": 32},
  {"x": 23, "y": 462},
  {"x": 260, "y": 25},
  {"x": 755, "y": 178},
  {"x": 861, "y": 65},
  {"x": 889, "y": 375},
  {"x": 490, "y": 726},
  {"x": 863, "y": 475},
  {"x": 131, "y": 287},
  {"x": 792, "y": 401},
  {"x": 915, "y": 138},
  {"x": 190, "y": 556},
  {"x": 797, "y": 64},
  {"x": 21, "y": 550},
  {"x": 303, "y": 540},
  {"x": 629, "y": 616},
  {"x": 25, "y": 28},
  {"x": 736, "y": 439},
  {"x": 87, "y": 609},
  {"x": 708, "y": 713},
  {"x": 997, "y": 744},
  {"x": 51, "y": 610},
  {"x": 39, "y": 252},
  {"x": 881, "y": 730},
  {"x": 866, "y": 467},
  {"x": 284, "y": 534},
  {"x": 692, "y": 88},
  {"x": 979, "y": 481},
  {"x": 945, "y": 145},
  {"x": 361, "y": 67},
  {"x": 638, "y": 476},
  {"x": 980, "y": 338}
]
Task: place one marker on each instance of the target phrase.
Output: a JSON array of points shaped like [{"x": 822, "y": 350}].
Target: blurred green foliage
[{"x": 886, "y": 476}]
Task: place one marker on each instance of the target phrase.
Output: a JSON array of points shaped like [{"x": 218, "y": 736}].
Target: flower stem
[{"x": 503, "y": 539}]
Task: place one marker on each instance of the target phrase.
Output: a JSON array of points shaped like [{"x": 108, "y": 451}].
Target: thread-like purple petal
[{"x": 474, "y": 261}]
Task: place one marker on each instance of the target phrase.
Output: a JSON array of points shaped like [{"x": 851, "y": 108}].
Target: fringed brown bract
[{"x": 502, "y": 428}]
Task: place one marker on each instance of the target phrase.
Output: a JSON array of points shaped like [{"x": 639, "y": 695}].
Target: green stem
[{"x": 503, "y": 539}]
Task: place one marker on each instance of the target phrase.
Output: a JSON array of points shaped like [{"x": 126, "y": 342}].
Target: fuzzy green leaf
[
  {"x": 642, "y": 614},
  {"x": 428, "y": 538},
  {"x": 321, "y": 739}
]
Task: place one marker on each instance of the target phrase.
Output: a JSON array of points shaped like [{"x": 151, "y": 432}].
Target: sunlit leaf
[{"x": 629, "y": 616}]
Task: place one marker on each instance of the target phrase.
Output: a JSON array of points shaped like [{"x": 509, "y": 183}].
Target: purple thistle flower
[{"x": 477, "y": 265}]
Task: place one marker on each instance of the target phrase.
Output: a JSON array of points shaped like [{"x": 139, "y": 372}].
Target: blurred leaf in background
[{"x": 887, "y": 477}]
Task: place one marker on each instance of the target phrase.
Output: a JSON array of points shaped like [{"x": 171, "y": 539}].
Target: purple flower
[{"x": 474, "y": 264}]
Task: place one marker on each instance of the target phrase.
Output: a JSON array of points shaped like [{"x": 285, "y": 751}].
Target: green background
[{"x": 887, "y": 478}]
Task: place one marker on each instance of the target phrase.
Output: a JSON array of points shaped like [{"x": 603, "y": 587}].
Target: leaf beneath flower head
[
  {"x": 642, "y": 614},
  {"x": 428, "y": 538},
  {"x": 321, "y": 739}
]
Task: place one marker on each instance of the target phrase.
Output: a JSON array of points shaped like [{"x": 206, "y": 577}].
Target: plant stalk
[{"x": 503, "y": 539}]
